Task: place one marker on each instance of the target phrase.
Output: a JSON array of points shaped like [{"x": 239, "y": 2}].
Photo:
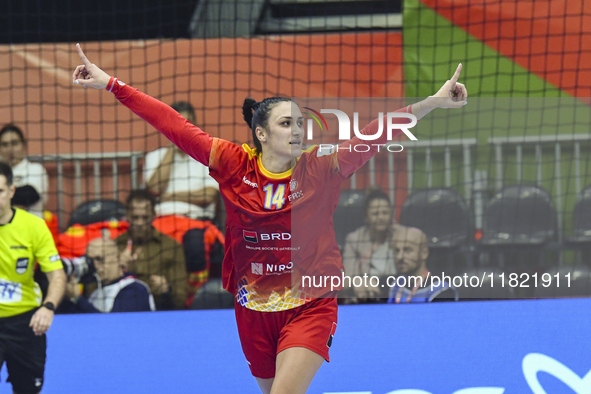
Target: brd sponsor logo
[
  {"x": 276, "y": 237},
  {"x": 253, "y": 236},
  {"x": 250, "y": 236}
]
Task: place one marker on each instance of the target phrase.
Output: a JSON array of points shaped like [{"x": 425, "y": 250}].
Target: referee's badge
[{"x": 21, "y": 265}]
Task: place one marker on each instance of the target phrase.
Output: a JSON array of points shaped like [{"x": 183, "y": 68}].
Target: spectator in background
[
  {"x": 416, "y": 284},
  {"x": 30, "y": 178},
  {"x": 367, "y": 249},
  {"x": 182, "y": 184},
  {"x": 117, "y": 292},
  {"x": 154, "y": 257}
]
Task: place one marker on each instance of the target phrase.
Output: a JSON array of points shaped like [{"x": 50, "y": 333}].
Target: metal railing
[
  {"x": 78, "y": 159},
  {"x": 445, "y": 147},
  {"x": 429, "y": 148},
  {"x": 559, "y": 142}
]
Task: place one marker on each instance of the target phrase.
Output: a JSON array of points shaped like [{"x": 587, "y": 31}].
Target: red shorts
[{"x": 264, "y": 334}]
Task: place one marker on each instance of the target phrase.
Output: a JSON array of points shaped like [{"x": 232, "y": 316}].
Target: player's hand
[
  {"x": 88, "y": 74},
  {"x": 159, "y": 284},
  {"x": 452, "y": 94},
  {"x": 41, "y": 321}
]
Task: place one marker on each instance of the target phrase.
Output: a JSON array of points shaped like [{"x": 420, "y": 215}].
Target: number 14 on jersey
[{"x": 274, "y": 199}]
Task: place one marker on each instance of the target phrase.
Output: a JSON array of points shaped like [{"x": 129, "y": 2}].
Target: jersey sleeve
[
  {"x": 226, "y": 159},
  {"x": 350, "y": 160},
  {"x": 188, "y": 137},
  {"x": 45, "y": 251}
]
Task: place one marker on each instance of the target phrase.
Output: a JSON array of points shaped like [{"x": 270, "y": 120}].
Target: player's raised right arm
[{"x": 165, "y": 119}]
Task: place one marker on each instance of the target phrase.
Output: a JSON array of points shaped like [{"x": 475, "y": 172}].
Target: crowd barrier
[{"x": 526, "y": 346}]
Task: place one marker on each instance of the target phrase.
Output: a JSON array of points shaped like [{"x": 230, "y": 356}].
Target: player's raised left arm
[{"x": 451, "y": 95}]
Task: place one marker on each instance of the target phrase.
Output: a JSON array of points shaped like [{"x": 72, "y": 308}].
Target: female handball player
[{"x": 280, "y": 201}]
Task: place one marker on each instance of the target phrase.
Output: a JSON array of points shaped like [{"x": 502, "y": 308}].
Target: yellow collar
[{"x": 252, "y": 152}]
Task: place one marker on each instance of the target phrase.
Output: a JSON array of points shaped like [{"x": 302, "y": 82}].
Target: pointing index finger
[
  {"x": 82, "y": 56},
  {"x": 454, "y": 79}
]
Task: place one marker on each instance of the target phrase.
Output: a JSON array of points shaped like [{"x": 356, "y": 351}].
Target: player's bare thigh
[
  {"x": 265, "y": 385},
  {"x": 296, "y": 367}
]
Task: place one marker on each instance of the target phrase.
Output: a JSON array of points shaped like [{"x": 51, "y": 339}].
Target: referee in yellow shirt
[{"x": 24, "y": 240}]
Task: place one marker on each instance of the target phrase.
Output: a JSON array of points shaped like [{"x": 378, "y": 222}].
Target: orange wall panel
[{"x": 215, "y": 75}]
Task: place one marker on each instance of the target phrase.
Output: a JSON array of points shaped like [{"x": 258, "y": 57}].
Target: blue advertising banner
[{"x": 502, "y": 347}]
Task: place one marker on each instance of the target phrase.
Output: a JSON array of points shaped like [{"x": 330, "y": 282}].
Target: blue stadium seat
[
  {"x": 441, "y": 214},
  {"x": 212, "y": 296},
  {"x": 519, "y": 226},
  {"x": 582, "y": 220},
  {"x": 349, "y": 214},
  {"x": 519, "y": 215},
  {"x": 96, "y": 211}
]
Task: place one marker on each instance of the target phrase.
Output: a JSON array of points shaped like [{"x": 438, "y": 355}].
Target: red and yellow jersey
[{"x": 279, "y": 227}]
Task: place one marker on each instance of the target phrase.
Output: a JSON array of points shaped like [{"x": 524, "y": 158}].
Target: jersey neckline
[{"x": 252, "y": 152}]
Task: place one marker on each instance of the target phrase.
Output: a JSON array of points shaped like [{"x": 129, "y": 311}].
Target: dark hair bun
[{"x": 247, "y": 108}]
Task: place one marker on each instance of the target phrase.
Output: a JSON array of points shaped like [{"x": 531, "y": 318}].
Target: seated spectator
[
  {"x": 367, "y": 249},
  {"x": 411, "y": 250},
  {"x": 182, "y": 184},
  {"x": 117, "y": 292},
  {"x": 30, "y": 178},
  {"x": 154, "y": 257}
]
